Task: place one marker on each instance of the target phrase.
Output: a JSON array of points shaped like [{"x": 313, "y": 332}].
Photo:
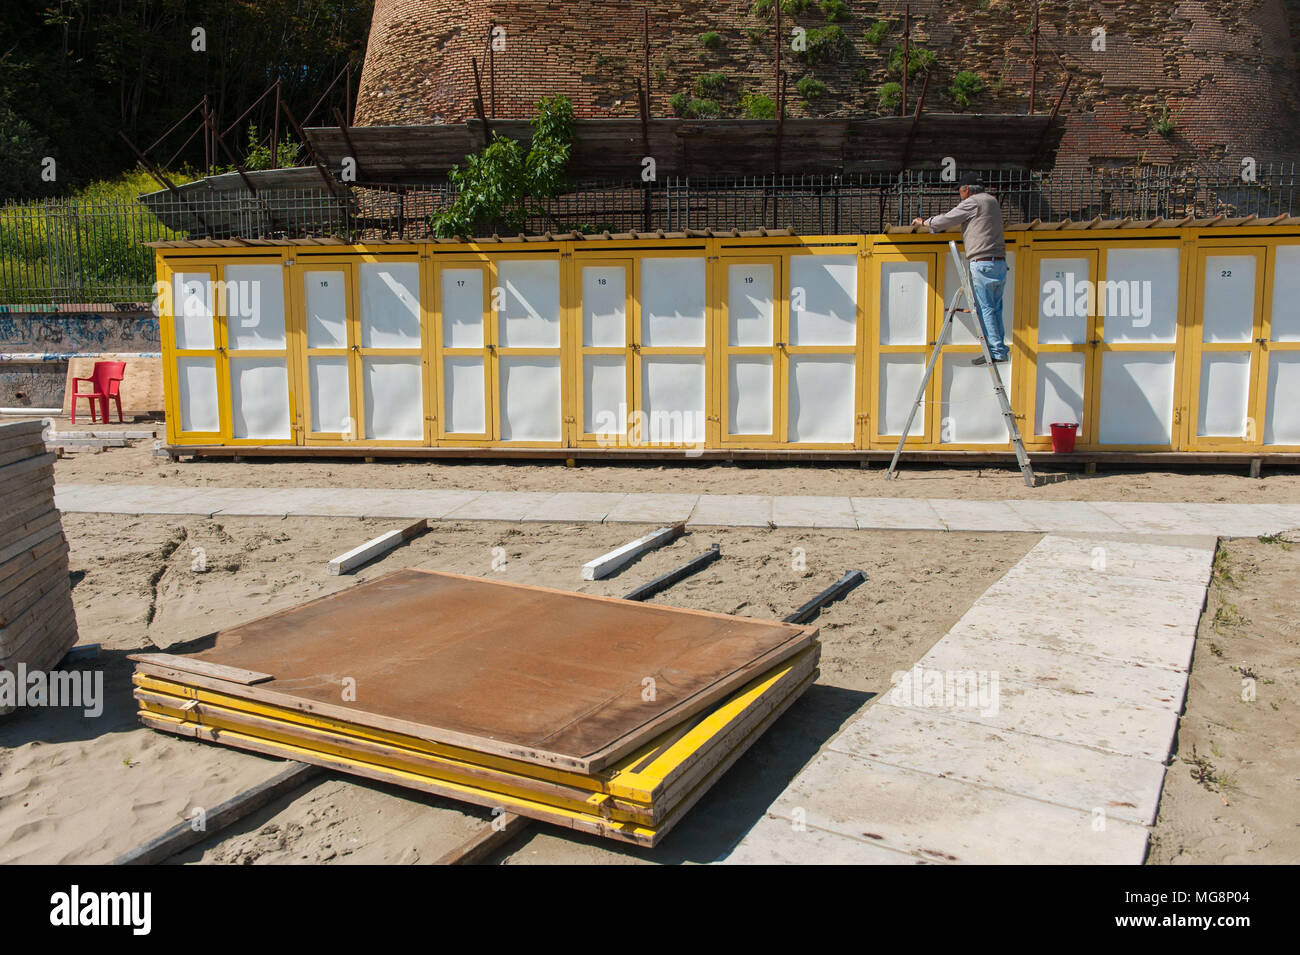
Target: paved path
[
  {"x": 731, "y": 510},
  {"x": 1035, "y": 732}
]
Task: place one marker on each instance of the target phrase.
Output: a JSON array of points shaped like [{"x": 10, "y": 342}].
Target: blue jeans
[{"x": 987, "y": 281}]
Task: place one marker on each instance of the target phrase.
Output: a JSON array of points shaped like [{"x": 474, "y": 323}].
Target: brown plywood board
[
  {"x": 141, "y": 389},
  {"x": 546, "y": 676}
]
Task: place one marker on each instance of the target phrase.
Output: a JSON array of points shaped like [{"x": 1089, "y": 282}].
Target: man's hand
[{"x": 918, "y": 221}]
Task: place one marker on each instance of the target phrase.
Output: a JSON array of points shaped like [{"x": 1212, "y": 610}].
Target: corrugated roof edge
[{"x": 1037, "y": 225}]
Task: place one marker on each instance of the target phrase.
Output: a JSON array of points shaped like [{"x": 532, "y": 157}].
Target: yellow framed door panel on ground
[
  {"x": 464, "y": 335},
  {"x": 969, "y": 413},
  {"x": 751, "y": 345},
  {"x": 528, "y": 384},
  {"x": 1060, "y": 339},
  {"x": 1279, "y": 428},
  {"x": 1227, "y": 345},
  {"x": 675, "y": 398},
  {"x": 603, "y": 327},
  {"x": 197, "y": 411},
  {"x": 323, "y": 290},
  {"x": 1136, "y": 372},
  {"x": 821, "y": 399},
  {"x": 902, "y": 323},
  {"x": 386, "y": 341}
]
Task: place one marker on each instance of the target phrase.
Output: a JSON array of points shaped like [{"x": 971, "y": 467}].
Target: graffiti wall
[{"x": 34, "y": 346}]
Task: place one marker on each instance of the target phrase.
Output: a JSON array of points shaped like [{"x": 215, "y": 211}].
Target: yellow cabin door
[
  {"x": 752, "y": 344},
  {"x": 1134, "y": 375},
  {"x": 1279, "y": 428},
  {"x": 253, "y": 311},
  {"x": 672, "y": 402},
  {"x": 328, "y": 293},
  {"x": 464, "y": 351},
  {"x": 529, "y": 378},
  {"x": 905, "y": 313},
  {"x": 607, "y": 350},
  {"x": 1062, "y": 337},
  {"x": 822, "y": 351},
  {"x": 1227, "y": 348},
  {"x": 969, "y": 413},
  {"x": 197, "y": 410},
  {"x": 387, "y": 352}
]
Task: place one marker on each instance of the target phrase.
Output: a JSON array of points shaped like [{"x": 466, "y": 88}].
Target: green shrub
[
  {"x": 758, "y": 106},
  {"x": 259, "y": 157},
  {"x": 709, "y": 85},
  {"x": 1164, "y": 125},
  {"x": 711, "y": 40},
  {"x": 678, "y": 103},
  {"x": 964, "y": 88},
  {"x": 499, "y": 186},
  {"x": 826, "y": 45},
  {"x": 762, "y": 8},
  {"x": 890, "y": 95},
  {"x": 876, "y": 33},
  {"x": 700, "y": 108},
  {"x": 811, "y": 89},
  {"x": 835, "y": 10},
  {"x": 920, "y": 59}
]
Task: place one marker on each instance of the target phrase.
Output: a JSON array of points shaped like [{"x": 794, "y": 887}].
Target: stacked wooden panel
[
  {"x": 606, "y": 716},
  {"x": 37, "y": 623}
]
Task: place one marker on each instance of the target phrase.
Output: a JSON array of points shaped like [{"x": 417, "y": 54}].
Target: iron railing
[{"x": 63, "y": 251}]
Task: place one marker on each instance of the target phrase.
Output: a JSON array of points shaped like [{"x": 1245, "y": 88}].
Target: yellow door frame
[
  {"x": 725, "y": 350},
  {"x": 628, "y": 351},
  {"x": 1034, "y": 349},
  {"x": 1252, "y": 437},
  {"x": 298, "y": 271},
  {"x": 170, "y": 269},
  {"x": 441, "y": 263},
  {"x": 882, "y": 256},
  {"x": 501, "y": 351}
]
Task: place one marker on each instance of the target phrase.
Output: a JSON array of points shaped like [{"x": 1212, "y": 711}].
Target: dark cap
[{"x": 970, "y": 179}]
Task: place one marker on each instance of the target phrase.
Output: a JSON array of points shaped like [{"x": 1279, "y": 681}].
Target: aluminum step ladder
[{"x": 966, "y": 292}]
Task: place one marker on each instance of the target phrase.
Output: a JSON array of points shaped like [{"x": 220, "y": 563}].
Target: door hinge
[{"x": 1178, "y": 416}]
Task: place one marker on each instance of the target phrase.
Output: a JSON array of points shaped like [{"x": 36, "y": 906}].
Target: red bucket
[{"x": 1063, "y": 437}]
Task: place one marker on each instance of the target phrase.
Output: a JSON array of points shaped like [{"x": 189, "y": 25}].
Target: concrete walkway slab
[
  {"x": 653, "y": 509},
  {"x": 886, "y": 513},
  {"x": 1130, "y": 559},
  {"x": 777, "y": 841},
  {"x": 1064, "y": 517},
  {"x": 1074, "y": 673},
  {"x": 979, "y": 516},
  {"x": 941, "y": 819},
  {"x": 498, "y": 506},
  {"x": 1123, "y": 787},
  {"x": 1101, "y": 722},
  {"x": 809, "y": 511},
  {"x": 574, "y": 507},
  {"x": 433, "y": 503},
  {"x": 733, "y": 510},
  {"x": 1114, "y": 639}
]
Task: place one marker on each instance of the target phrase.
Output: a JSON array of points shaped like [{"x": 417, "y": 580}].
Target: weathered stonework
[{"x": 1222, "y": 72}]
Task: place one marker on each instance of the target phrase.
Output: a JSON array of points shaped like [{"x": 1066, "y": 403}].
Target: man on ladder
[
  {"x": 980, "y": 218},
  {"x": 982, "y": 277}
]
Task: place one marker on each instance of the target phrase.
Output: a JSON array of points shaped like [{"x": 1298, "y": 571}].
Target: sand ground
[
  {"x": 1232, "y": 794},
  {"x": 138, "y": 465}
]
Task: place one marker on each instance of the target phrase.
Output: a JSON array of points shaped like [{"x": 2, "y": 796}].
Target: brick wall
[{"x": 1222, "y": 71}]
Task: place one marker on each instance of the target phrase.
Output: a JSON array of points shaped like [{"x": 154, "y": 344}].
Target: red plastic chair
[{"x": 105, "y": 379}]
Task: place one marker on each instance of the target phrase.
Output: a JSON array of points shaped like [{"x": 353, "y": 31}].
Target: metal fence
[{"x": 56, "y": 252}]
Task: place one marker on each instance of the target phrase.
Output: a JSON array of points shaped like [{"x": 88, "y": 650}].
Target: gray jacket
[{"x": 980, "y": 218}]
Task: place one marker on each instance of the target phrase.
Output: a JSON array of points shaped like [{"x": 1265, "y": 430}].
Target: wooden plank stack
[
  {"x": 523, "y": 699},
  {"x": 37, "y": 622}
]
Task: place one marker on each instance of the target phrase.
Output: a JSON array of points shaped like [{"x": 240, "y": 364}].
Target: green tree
[{"x": 499, "y": 187}]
